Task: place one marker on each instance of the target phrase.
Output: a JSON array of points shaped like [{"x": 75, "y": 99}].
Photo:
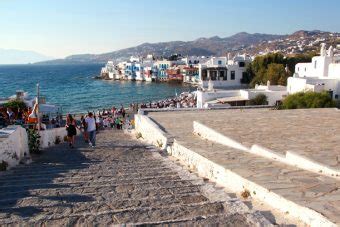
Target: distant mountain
[
  {"x": 11, "y": 56},
  {"x": 239, "y": 43},
  {"x": 200, "y": 47}
]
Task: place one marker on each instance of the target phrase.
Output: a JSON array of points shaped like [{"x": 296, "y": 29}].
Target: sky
[{"x": 58, "y": 28}]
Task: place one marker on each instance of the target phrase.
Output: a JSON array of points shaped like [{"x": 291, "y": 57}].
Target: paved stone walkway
[
  {"x": 308, "y": 189},
  {"x": 312, "y": 133},
  {"x": 121, "y": 181}
]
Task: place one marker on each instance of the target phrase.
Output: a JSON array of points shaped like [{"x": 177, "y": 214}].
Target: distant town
[{"x": 225, "y": 80}]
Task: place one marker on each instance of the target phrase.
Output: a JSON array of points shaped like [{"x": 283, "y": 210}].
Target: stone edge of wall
[
  {"x": 289, "y": 158},
  {"x": 236, "y": 183},
  {"x": 150, "y": 131}
]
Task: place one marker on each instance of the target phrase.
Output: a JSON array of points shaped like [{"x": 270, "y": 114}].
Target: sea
[{"x": 74, "y": 88}]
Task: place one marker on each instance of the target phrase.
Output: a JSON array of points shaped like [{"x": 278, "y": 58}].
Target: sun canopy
[{"x": 47, "y": 108}]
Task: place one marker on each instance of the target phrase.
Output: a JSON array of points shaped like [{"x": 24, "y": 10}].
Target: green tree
[
  {"x": 276, "y": 74},
  {"x": 15, "y": 104},
  {"x": 304, "y": 100},
  {"x": 262, "y": 68}
]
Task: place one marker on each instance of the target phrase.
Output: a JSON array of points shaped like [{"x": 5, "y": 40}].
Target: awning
[{"x": 46, "y": 108}]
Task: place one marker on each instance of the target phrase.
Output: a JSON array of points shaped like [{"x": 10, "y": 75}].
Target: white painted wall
[
  {"x": 48, "y": 137},
  {"x": 15, "y": 146},
  {"x": 203, "y": 96},
  {"x": 150, "y": 131},
  {"x": 322, "y": 74}
]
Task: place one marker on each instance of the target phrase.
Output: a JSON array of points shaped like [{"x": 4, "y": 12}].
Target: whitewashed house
[
  {"x": 222, "y": 72},
  {"x": 322, "y": 74}
]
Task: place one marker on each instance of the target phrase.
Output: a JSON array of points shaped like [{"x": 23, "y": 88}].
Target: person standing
[
  {"x": 71, "y": 127},
  {"x": 91, "y": 129}
]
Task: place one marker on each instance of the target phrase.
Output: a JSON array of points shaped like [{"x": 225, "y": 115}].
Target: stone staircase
[
  {"x": 314, "y": 197},
  {"x": 121, "y": 181}
]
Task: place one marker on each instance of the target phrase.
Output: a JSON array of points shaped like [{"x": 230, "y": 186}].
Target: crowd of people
[
  {"x": 184, "y": 100},
  {"x": 26, "y": 116},
  {"x": 93, "y": 122}
]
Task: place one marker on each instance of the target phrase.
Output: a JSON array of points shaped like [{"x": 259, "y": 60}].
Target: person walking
[
  {"x": 91, "y": 129},
  {"x": 71, "y": 127},
  {"x": 83, "y": 128}
]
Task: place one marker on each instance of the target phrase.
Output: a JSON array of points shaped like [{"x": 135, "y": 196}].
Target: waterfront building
[
  {"x": 162, "y": 66},
  {"x": 190, "y": 74},
  {"x": 194, "y": 60},
  {"x": 223, "y": 72},
  {"x": 322, "y": 74},
  {"x": 109, "y": 71},
  {"x": 121, "y": 71},
  {"x": 174, "y": 74},
  {"x": 149, "y": 69},
  {"x": 139, "y": 71}
]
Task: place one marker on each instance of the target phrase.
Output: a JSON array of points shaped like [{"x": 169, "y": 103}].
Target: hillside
[{"x": 239, "y": 43}]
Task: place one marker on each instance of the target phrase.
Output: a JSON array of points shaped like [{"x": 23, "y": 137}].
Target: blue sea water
[{"x": 73, "y": 87}]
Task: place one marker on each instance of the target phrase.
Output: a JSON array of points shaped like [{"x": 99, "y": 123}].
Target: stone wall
[
  {"x": 236, "y": 183},
  {"x": 48, "y": 137},
  {"x": 13, "y": 145},
  {"x": 150, "y": 131}
]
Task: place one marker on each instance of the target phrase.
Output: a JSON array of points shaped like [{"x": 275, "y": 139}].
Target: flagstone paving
[
  {"x": 305, "y": 188},
  {"x": 121, "y": 181}
]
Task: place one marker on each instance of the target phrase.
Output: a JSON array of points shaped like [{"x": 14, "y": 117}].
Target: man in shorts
[{"x": 91, "y": 129}]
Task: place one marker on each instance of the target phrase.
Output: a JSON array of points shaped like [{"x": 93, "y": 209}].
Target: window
[
  {"x": 241, "y": 64},
  {"x": 232, "y": 75},
  {"x": 204, "y": 75},
  {"x": 336, "y": 96},
  {"x": 315, "y": 63},
  {"x": 213, "y": 75},
  {"x": 245, "y": 79},
  {"x": 219, "y": 62},
  {"x": 222, "y": 76}
]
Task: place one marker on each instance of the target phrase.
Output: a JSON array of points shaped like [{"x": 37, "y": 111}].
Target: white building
[
  {"x": 223, "y": 72},
  {"x": 225, "y": 98},
  {"x": 322, "y": 74}
]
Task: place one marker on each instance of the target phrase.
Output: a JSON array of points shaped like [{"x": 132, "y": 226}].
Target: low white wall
[
  {"x": 14, "y": 146},
  {"x": 210, "y": 134},
  {"x": 238, "y": 184},
  {"x": 48, "y": 137},
  {"x": 150, "y": 131},
  {"x": 288, "y": 158}
]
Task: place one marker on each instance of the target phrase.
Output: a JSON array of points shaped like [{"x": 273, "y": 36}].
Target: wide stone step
[
  {"x": 82, "y": 172},
  {"x": 129, "y": 215},
  {"x": 159, "y": 181},
  {"x": 86, "y": 177},
  {"x": 140, "y": 191},
  {"x": 80, "y": 203},
  {"x": 79, "y": 165}
]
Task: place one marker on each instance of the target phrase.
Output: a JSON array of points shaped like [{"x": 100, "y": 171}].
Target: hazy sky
[{"x": 59, "y": 28}]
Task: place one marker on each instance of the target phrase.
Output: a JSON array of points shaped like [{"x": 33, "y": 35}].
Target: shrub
[
  {"x": 57, "y": 140},
  {"x": 33, "y": 141},
  {"x": 3, "y": 166},
  {"x": 258, "y": 100},
  {"x": 303, "y": 100},
  {"x": 15, "y": 104}
]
